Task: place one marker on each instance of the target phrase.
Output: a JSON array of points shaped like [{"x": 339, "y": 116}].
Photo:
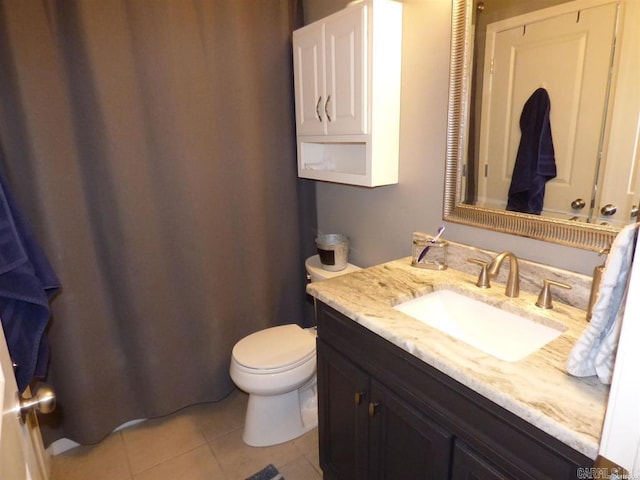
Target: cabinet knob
[
  {"x": 373, "y": 409},
  {"x": 358, "y": 397},
  {"x": 318, "y": 108}
]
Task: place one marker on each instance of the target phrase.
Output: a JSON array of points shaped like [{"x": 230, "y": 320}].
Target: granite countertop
[{"x": 537, "y": 388}]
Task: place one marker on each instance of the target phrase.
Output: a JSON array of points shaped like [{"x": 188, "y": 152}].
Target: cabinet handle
[
  {"x": 358, "y": 397},
  {"x": 318, "y": 108},
  {"x": 326, "y": 108},
  {"x": 373, "y": 409}
]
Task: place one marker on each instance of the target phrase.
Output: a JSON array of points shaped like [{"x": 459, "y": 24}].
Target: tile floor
[{"x": 203, "y": 442}]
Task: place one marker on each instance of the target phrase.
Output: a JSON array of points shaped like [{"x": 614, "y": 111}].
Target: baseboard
[{"x": 64, "y": 444}]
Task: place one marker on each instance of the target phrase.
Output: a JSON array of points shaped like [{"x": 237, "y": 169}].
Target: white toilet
[{"x": 277, "y": 368}]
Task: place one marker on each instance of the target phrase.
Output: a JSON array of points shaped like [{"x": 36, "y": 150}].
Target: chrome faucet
[{"x": 513, "y": 281}]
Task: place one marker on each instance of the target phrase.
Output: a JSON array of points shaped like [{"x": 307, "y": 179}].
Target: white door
[
  {"x": 620, "y": 182},
  {"x": 308, "y": 66},
  {"x": 22, "y": 454},
  {"x": 346, "y": 55},
  {"x": 568, "y": 55}
]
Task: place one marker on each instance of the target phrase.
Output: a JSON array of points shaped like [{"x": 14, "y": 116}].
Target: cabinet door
[
  {"x": 468, "y": 465},
  {"x": 346, "y": 60},
  {"x": 309, "y": 74},
  {"x": 404, "y": 443},
  {"x": 343, "y": 392}
]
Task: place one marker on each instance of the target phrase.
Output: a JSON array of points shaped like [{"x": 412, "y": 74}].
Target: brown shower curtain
[{"x": 151, "y": 145}]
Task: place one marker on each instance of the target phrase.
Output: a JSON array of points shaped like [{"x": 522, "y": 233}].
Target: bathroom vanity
[{"x": 400, "y": 399}]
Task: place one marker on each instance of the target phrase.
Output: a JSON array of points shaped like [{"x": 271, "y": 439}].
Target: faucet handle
[
  {"x": 483, "y": 278},
  {"x": 544, "y": 299}
]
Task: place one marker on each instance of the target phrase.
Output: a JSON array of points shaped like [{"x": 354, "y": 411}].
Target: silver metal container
[{"x": 333, "y": 249}]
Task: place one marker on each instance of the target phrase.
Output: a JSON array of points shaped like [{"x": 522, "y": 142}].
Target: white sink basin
[{"x": 502, "y": 334}]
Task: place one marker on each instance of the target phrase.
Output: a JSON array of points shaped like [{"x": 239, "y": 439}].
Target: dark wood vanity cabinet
[
  {"x": 384, "y": 414},
  {"x": 468, "y": 465},
  {"x": 368, "y": 432}
]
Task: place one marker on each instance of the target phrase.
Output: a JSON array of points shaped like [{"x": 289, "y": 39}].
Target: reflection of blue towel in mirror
[
  {"x": 27, "y": 281},
  {"x": 535, "y": 162}
]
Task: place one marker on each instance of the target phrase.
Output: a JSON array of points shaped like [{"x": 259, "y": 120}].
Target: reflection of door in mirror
[
  {"x": 619, "y": 184},
  {"x": 569, "y": 56}
]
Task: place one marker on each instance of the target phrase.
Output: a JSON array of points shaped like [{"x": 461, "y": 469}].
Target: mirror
[{"x": 616, "y": 139}]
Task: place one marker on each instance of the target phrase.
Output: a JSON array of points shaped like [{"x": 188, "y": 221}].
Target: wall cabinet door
[
  {"x": 308, "y": 62},
  {"x": 346, "y": 53},
  {"x": 329, "y": 75}
]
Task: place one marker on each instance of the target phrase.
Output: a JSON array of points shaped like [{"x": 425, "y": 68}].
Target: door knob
[
  {"x": 608, "y": 210},
  {"x": 358, "y": 397},
  {"x": 578, "y": 204},
  {"x": 43, "y": 400},
  {"x": 373, "y": 409}
]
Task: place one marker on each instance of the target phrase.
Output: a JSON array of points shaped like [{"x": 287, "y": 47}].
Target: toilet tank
[{"x": 316, "y": 273}]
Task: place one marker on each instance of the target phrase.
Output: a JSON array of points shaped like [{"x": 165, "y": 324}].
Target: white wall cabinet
[
  {"x": 347, "y": 94},
  {"x": 330, "y": 82}
]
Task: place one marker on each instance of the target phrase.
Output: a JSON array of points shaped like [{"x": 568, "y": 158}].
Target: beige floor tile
[
  {"x": 308, "y": 442},
  {"x": 219, "y": 418},
  {"x": 104, "y": 461},
  {"x": 198, "y": 464},
  {"x": 158, "y": 440},
  {"x": 300, "y": 469},
  {"x": 314, "y": 460},
  {"x": 308, "y": 445},
  {"x": 238, "y": 460},
  {"x": 175, "y": 447}
]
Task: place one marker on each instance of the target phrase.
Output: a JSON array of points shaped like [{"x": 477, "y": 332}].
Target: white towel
[{"x": 595, "y": 351}]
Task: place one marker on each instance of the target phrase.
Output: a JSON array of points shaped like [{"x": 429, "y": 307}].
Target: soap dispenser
[{"x": 595, "y": 285}]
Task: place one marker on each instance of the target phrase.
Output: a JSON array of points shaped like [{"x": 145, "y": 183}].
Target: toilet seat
[{"x": 274, "y": 350}]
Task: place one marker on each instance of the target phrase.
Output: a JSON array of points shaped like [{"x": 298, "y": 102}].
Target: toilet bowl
[{"x": 277, "y": 368}]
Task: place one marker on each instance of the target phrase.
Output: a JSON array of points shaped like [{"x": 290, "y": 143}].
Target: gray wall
[{"x": 380, "y": 221}]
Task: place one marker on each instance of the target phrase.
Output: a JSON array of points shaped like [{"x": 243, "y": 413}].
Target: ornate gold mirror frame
[{"x": 565, "y": 232}]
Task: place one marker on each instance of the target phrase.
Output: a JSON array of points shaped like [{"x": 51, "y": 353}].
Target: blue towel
[
  {"x": 27, "y": 282},
  {"x": 535, "y": 161}
]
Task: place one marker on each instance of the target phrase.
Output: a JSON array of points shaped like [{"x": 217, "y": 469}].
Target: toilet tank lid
[
  {"x": 314, "y": 266},
  {"x": 275, "y": 347}
]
